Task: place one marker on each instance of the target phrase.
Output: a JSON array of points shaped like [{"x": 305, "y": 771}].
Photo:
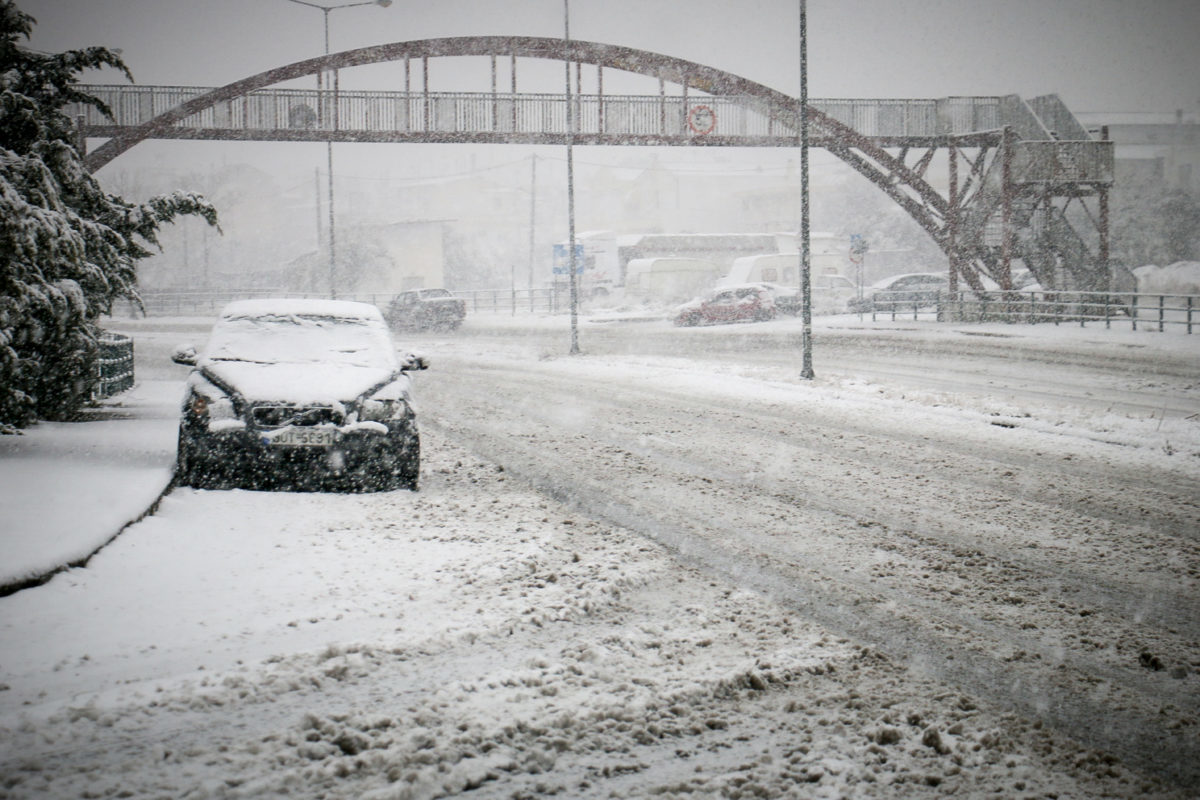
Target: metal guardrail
[
  {"x": 1140, "y": 311},
  {"x": 1155, "y": 312},
  {"x": 114, "y": 365},
  {"x": 529, "y": 301}
]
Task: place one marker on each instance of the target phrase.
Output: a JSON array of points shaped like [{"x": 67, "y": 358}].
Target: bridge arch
[{"x": 1026, "y": 163}]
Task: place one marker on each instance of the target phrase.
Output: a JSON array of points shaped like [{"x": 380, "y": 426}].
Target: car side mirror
[
  {"x": 414, "y": 362},
  {"x": 184, "y": 354}
]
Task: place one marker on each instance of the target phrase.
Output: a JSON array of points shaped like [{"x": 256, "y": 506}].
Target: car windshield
[{"x": 301, "y": 339}]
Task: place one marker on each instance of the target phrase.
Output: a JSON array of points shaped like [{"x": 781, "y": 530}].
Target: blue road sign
[{"x": 561, "y": 260}]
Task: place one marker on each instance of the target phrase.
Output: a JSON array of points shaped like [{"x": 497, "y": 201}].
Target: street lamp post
[
  {"x": 329, "y": 144},
  {"x": 572, "y": 258}
]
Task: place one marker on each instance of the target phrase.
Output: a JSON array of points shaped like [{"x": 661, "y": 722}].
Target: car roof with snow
[
  {"x": 301, "y": 307},
  {"x": 893, "y": 278},
  {"x": 778, "y": 287},
  {"x": 737, "y": 287}
]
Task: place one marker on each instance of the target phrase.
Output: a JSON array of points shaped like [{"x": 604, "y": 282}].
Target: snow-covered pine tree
[{"x": 67, "y": 248}]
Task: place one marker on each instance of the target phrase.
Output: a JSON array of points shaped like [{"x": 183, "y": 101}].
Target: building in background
[{"x": 1162, "y": 145}]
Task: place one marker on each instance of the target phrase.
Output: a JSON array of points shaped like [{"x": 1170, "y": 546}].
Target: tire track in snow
[{"x": 759, "y": 430}]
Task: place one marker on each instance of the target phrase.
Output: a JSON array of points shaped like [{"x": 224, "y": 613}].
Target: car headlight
[
  {"x": 209, "y": 409},
  {"x": 378, "y": 410}
]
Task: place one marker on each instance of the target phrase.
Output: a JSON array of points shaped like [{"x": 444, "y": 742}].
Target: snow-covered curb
[{"x": 68, "y": 488}]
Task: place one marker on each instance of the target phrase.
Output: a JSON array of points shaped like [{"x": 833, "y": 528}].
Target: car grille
[{"x": 279, "y": 416}]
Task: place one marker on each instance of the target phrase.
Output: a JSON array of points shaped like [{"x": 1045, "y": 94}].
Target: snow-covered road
[
  {"x": 952, "y": 563},
  {"x": 1037, "y": 554}
]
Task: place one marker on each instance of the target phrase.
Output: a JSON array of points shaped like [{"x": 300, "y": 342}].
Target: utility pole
[{"x": 806, "y": 370}]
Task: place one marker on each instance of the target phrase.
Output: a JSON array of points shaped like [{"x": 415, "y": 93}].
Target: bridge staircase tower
[{"x": 1034, "y": 194}]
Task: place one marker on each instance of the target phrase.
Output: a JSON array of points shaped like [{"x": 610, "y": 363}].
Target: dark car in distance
[
  {"x": 426, "y": 309},
  {"x": 298, "y": 394}
]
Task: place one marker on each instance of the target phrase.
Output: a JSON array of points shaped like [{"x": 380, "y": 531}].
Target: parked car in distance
[
  {"x": 912, "y": 289},
  {"x": 748, "y": 303},
  {"x": 298, "y": 394},
  {"x": 830, "y": 293},
  {"x": 426, "y": 309},
  {"x": 787, "y": 298}
]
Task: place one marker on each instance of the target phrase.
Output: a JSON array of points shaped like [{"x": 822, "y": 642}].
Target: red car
[{"x": 752, "y": 303}]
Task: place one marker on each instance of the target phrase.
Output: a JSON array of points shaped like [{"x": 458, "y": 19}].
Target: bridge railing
[
  {"x": 443, "y": 112},
  {"x": 1058, "y": 118},
  {"x": 1060, "y": 162},
  {"x": 488, "y": 112}
]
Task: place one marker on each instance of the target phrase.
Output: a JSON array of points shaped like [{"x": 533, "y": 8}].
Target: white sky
[{"x": 1099, "y": 55}]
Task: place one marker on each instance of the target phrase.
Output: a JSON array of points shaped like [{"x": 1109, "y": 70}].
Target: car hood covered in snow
[
  {"x": 300, "y": 351},
  {"x": 298, "y": 384}
]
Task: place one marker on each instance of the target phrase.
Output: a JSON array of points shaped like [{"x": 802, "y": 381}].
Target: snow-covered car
[
  {"x": 748, "y": 303},
  {"x": 902, "y": 291},
  {"x": 425, "y": 309},
  {"x": 302, "y": 393},
  {"x": 830, "y": 293},
  {"x": 787, "y": 298}
]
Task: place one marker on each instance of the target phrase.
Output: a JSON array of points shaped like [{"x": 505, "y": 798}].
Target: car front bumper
[{"x": 378, "y": 455}]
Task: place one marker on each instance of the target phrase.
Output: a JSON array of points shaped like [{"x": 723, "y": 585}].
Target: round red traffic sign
[{"x": 702, "y": 120}]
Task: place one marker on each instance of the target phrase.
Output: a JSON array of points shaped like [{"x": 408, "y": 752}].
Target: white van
[
  {"x": 668, "y": 280},
  {"x": 767, "y": 268}
]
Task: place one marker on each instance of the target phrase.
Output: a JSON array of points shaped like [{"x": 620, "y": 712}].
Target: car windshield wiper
[{"x": 242, "y": 360}]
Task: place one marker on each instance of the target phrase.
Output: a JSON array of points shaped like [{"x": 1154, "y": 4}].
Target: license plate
[{"x": 302, "y": 437}]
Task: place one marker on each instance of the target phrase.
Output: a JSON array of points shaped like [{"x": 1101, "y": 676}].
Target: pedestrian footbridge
[{"x": 1027, "y": 180}]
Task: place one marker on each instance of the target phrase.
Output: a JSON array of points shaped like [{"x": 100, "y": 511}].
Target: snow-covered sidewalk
[{"x": 66, "y": 488}]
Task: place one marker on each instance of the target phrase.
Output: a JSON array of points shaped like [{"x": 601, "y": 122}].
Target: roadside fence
[
  {"x": 1139, "y": 311},
  {"x": 516, "y": 300}
]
